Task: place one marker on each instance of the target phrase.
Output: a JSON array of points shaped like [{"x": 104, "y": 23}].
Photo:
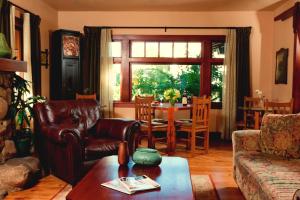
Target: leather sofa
[{"x": 70, "y": 136}]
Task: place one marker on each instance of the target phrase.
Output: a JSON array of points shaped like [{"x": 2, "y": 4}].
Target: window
[
  {"x": 155, "y": 79},
  {"x": 216, "y": 82},
  {"x": 152, "y": 64}
]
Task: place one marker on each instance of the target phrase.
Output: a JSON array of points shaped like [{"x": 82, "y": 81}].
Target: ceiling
[{"x": 164, "y": 5}]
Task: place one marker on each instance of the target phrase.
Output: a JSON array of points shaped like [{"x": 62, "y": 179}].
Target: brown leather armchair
[{"x": 70, "y": 136}]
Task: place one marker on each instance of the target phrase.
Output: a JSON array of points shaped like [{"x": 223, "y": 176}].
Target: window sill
[{"x": 120, "y": 104}]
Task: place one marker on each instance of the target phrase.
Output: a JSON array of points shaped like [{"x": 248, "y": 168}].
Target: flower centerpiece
[
  {"x": 261, "y": 97},
  {"x": 171, "y": 95}
]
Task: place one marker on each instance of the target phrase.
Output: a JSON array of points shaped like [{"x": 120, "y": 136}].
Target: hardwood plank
[{"x": 47, "y": 188}]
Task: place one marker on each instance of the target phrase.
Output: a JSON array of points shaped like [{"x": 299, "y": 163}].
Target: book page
[
  {"x": 138, "y": 183},
  {"x": 116, "y": 185}
]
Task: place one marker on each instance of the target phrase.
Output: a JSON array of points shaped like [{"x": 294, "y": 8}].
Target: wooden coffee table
[{"x": 172, "y": 174}]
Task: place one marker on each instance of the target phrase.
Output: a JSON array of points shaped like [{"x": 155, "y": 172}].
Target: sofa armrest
[{"x": 245, "y": 140}]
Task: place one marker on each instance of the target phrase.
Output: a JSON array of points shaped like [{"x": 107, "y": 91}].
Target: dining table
[
  {"x": 258, "y": 111},
  {"x": 171, "y": 130}
]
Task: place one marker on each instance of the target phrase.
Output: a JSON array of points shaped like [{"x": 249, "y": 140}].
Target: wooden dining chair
[
  {"x": 198, "y": 124},
  {"x": 279, "y": 107},
  {"x": 144, "y": 114},
  {"x": 86, "y": 96},
  {"x": 248, "y": 114}
]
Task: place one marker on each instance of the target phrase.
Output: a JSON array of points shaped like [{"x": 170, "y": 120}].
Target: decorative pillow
[{"x": 280, "y": 135}]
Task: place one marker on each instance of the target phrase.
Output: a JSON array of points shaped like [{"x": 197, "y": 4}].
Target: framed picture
[
  {"x": 281, "y": 66},
  {"x": 44, "y": 58},
  {"x": 70, "y": 46}
]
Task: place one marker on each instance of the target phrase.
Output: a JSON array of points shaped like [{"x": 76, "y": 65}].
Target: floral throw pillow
[{"x": 280, "y": 135}]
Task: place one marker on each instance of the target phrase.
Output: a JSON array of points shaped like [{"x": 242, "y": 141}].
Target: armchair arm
[
  {"x": 58, "y": 133},
  {"x": 245, "y": 140},
  {"x": 64, "y": 151},
  {"x": 120, "y": 129}
]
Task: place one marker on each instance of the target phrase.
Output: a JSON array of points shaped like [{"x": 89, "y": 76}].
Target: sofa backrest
[
  {"x": 280, "y": 135},
  {"x": 56, "y": 112}
]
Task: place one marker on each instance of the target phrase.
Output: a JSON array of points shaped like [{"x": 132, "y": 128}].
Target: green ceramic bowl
[{"x": 146, "y": 156}]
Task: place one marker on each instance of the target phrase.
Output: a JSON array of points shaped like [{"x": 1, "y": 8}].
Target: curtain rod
[
  {"x": 166, "y": 27},
  {"x": 27, "y": 11}
]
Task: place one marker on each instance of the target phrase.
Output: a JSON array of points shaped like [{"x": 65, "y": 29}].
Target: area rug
[{"x": 204, "y": 188}]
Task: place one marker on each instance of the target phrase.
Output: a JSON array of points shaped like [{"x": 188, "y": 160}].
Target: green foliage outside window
[
  {"x": 216, "y": 83},
  {"x": 155, "y": 79}
]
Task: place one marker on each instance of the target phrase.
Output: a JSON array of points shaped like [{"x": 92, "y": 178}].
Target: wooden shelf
[{"x": 10, "y": 65}]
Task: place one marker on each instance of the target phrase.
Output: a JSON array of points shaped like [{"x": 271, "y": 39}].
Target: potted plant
[{"x": 21, "y": 111}]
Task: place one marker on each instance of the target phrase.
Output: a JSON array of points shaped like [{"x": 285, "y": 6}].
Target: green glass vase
[{"x": 5, "y": 51}]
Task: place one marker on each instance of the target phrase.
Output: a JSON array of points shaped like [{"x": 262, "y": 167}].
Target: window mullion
[
  {"x": 125, "y": 72},
  {"x": 205, "y": 79}
]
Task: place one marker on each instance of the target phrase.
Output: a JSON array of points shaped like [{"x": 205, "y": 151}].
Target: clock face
[{"x": 71, "y": 46}]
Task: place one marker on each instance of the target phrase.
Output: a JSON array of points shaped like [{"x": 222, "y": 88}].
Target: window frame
[
  {"x": 205, "y": 61},
  {"x": 19, "y": 27}
]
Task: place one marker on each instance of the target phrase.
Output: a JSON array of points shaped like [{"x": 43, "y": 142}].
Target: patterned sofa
[{"x": 267, "y": 161}]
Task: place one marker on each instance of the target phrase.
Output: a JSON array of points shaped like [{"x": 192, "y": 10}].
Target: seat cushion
[
  {"x": 96, "y": 148},
  {"x": 280, "y": 135},
  {"x": 264, "y": 176}
]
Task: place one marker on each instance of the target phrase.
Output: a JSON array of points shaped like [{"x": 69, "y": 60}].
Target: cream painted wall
[
  {"x": 49, "y": 22},
  {"x": 283, "y": 38},
  {"x": 261, "y": 36}
]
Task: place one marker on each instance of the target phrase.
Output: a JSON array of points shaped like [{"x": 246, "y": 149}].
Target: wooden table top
[
  {"x": 258, "y": 109},
  {"x": 172, "y": 174},
  {"x": 166, "y": 106}
]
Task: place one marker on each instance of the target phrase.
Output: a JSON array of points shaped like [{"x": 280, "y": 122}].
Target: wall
[
  {"x": 283, "y": 38},
  {"x": 261, "y": 36},
  {"x": 49, "y": 22}
]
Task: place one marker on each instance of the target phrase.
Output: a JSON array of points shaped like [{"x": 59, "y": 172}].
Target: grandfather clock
[{"x": 65, "y": 67}]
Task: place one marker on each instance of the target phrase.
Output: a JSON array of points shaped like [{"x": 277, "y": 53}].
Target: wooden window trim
[
  {"x": 205, "y": 61},
  {"x": 19, "y": 27}
]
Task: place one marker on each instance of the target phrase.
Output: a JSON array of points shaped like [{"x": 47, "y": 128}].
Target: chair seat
[
  {"x": 156, "y": 126},
  {"x": 188, "y": 127},
  {"x": 160, "y": 120},
  {"x": 183, "y": 121},
  {"x": 96, "y": 148}
]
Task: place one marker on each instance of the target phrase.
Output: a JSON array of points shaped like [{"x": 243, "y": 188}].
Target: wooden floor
[
  {"x": 47, "y": 188},
  {"x": 217, "y": 164}
]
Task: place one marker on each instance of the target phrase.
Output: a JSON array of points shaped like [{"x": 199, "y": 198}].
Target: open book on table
[{"x": 130, "y": 185}]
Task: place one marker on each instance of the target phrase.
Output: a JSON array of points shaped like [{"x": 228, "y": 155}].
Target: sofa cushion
[
  {"x": 265, "y": 176},
  {"x": 280, "y": 135},
  {"x": 96, "y": 148}
]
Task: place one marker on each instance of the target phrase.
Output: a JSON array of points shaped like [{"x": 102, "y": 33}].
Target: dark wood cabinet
[{"x": 65, "y": 67}]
